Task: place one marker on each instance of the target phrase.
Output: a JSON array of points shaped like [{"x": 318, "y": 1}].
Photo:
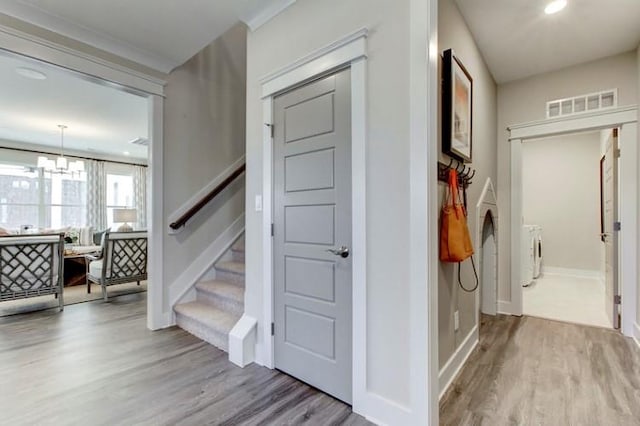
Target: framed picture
[{"x": 457, "y": 108}]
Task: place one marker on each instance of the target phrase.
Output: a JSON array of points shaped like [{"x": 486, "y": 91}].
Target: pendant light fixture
[{"x": 60, "y": 165}]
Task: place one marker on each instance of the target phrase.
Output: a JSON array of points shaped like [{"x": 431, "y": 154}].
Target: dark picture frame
[
  {"x": 457, "y": 108},
  {"x": 602, "y": 199}
]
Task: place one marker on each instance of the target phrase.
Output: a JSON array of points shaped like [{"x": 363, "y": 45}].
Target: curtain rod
[{"x": 73, "y": 156}]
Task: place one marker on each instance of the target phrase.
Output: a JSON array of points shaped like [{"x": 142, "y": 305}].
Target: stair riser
[
  {"x": 237, "y": 256},
  {"x": 222, "y": 303},
  {"x": 217, "y": 339},
  {"x": 231, "y": 277}
]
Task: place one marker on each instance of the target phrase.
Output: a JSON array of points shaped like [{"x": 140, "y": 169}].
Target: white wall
[
  {"x": 561, "y": 193},
  {"x": 638, "y": 292},
  {"x": 204, "y": 133},
  {"x": 301, "y": 29},
  {"x": 524, "y": 101},
  {"x": 453, "y": 33}
]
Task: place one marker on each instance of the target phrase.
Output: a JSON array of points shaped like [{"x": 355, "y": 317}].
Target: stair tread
[
  {"x": 208, "y": 315},
  {"x": 230, "y": 266},
  {"x": 222, "y": 288}
]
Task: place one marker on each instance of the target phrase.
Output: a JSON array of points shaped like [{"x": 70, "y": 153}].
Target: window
[
  {"x": 119, "y": 195},
  {"x": 29, "y": 196}
]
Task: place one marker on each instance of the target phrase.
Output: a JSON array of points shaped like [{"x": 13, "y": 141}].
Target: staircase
[{"x": 219, "y": 303}]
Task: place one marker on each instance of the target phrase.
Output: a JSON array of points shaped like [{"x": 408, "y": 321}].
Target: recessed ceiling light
[
  {"x": 31, "y": 73},
  {"x": 555, "y": 7},
  {"x": 126, "y": 153}
]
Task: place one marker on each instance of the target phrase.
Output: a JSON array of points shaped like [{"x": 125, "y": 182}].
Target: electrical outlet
[
  {"x": 456, "y": 320},
  {"x": 258, "y": 203}
]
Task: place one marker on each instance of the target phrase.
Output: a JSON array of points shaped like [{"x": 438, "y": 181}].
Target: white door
[
  {"x": 610, "y": 236},
  {"x": 312, "y": 234}
]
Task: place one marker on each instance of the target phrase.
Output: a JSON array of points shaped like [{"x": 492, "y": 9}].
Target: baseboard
[
  {"x": 636, "y": 333},
  {"x": 581, "y": 273},
  {"x": 505, "y": 307},
  {"x": 242, "y": 341},
  {"x": 203, "y": 263},
  {"x": 382, "y": 411},
  {"x": 451, "y": 369}
]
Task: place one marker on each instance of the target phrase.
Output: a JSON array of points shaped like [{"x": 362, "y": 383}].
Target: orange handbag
[{"x": 455, "y": 241}]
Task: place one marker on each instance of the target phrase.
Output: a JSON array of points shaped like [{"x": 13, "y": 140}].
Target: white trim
[
  {"x": 156, "y": 316},
  {"x": 570, "y": 124},
  {"x": 242, "y": 341},
  {"x": 332, "y": 56},
  {"x": 433, "y": 205},
  {"x": 487, "y": 203},
  {"x": 451, "y": 369},
  {"x": 201, "y": 194},
  {"x": 271, "y": 11},
  {"x": 44, "y": 50},
  {"x": 626, "y": 119},
  {"x": 38, "y": 17},
  {"x": 352, "y": 51},
  {"x": 204, "y": 262},
  {"x": 570, "y": 272},
  {"x": 505, "y": 307},
  {"x": 636, "y": 333}
]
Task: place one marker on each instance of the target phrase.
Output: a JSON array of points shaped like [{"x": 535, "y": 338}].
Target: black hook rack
[{"x": 465, "y": 174}]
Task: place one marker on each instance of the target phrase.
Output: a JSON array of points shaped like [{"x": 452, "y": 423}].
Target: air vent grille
[{"x": 583, "y": 104}]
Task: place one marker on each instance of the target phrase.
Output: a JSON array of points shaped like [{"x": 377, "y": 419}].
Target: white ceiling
[
  {"x": 518, "y": 40},
  {"x": 100, "y": 119},
  {"x": 161, "y": 34}
]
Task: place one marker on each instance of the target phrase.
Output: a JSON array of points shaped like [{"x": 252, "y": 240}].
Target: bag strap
[{"x": 474, "y": 273}]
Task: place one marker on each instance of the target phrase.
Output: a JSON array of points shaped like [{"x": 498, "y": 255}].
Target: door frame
[
  {"x": 349, "y": 52},
  {"x": 624, "y": 118},
  {"x": 123, "y": 78}
]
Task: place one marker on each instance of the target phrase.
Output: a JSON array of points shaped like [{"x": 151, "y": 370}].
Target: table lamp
[{"x": 124, "y": 216}]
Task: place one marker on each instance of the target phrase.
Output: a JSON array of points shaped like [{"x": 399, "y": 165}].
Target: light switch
[{"x": 258, "y": 203}]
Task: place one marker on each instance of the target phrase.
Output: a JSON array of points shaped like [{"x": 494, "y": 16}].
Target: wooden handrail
[{"x": 182, "y": 220}]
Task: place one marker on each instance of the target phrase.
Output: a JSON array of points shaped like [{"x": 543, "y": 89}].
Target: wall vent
[
  {"x": 140, "y": 141},
  {"x": 583, "y": 104}
]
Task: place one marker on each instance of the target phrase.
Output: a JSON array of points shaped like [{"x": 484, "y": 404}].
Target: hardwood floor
[
  {"x": 530, "y": 371},
  {"x": 97, "y": 364}
]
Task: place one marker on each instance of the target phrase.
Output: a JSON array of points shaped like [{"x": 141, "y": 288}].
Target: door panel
[
  {"x": 610, "y": 185},
  {"x": 312, "y": 214}
]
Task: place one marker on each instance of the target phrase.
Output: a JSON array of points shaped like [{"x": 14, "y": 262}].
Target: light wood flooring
[
  {"x": 530, "y": 371},
  {"x": 97, "y": 364}
]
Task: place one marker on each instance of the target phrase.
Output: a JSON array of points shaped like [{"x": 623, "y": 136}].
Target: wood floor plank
[
  {"x": 530, "y": 371},
  {"x": 97, "y": 364}
]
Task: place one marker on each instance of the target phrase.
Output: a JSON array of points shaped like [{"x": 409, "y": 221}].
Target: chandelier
[{"x": 60, "y": 164}]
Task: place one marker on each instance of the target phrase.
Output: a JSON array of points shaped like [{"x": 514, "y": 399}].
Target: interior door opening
[{"x": 569, "y": 246}]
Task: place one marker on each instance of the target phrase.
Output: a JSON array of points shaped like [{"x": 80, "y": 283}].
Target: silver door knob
[{"x": 342, "y": 251}]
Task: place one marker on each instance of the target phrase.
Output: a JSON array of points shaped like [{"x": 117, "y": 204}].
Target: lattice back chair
[
  {"x": 31, "y": 266},
  {"x": 123, "y": 259}
]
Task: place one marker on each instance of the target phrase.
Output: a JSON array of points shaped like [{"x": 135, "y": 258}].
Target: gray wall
[
  {"x": 524, "y": 101},
  {"x": 561, "y": 193},
  {"x": 453, "y": 33},
  {"x": 204, "y": 131}
]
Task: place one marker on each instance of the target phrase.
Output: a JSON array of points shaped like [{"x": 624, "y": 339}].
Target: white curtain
[
  {"x": 96, "y": 194},
  {"x": 140, "y": 195}
]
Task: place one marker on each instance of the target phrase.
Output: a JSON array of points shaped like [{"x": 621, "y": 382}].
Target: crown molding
[
  {"x": 256, "y": 21},
  {"x": 40, "y": 18}
]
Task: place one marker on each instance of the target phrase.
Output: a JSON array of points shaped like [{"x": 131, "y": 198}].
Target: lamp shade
[{"x": 124, "y": 215}]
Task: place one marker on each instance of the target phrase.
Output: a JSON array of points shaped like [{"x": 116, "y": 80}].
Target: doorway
[
  {"x": 312, "y": 234},
  {"x": 563, "y": 256},
  {"x": 625, "y": 119},
  {"x": 89, "y": 69}
]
